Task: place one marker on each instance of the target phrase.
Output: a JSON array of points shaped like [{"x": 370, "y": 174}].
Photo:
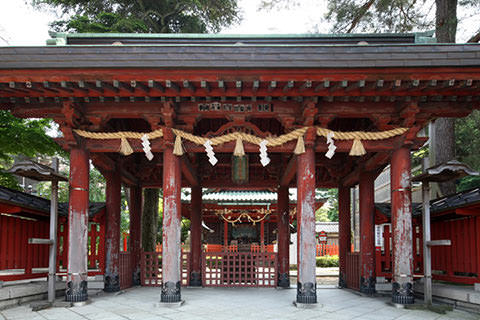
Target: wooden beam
[
  {"x": 289, "y": 172},
  {"x": 189, "y": 172}
]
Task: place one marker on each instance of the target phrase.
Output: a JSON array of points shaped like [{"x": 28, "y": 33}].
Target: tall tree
[{"x": 159, "y": 16}]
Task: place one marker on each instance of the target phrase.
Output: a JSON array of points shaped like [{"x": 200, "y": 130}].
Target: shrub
[{"x": 327, "y": 261}]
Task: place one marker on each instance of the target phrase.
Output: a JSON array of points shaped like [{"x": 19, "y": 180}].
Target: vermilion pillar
[
  {"x": 135, "y": 230},
  {"x": 344, "y": 233},
  {"x": 283, "y": 229},
  {"x": 171, "y": 227},
  {"x": 76, "y": 290},
  {"x": 367, "y": 233},
  {"x": 402, "y": 283},
  {"x": 306, "y": 286},
  {"x": 112, "y": 232},
  {"x": 196, "y": 237}
]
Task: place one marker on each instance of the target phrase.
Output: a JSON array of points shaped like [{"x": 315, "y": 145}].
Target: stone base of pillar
[
  {"x": 402, "y": 294},
  {"x": 306, "y": 292},
  {"x": 170, "y": 292},
  {"x": 342, "y": 281},
  {"x": 367, "y": 286},
  {"x": 283, "y": 280},
  {"x": 136, "y": 277},
  {"x": 76, "y": 292},
  {"x": 196, "y": 279},
  {"x": 112, "y": 283}
]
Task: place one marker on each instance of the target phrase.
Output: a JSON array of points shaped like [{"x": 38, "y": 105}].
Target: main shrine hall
[{"x": 240, "y": 113}]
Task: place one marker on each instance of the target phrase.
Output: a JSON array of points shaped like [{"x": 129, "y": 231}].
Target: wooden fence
[
  {"x": 239, "y": 269},
  {"x": 125, "y": 270},
  {"x": 327, "y": 250},
  {"x": 151, "y": 269},
  {"x": 353, "y": 270}
]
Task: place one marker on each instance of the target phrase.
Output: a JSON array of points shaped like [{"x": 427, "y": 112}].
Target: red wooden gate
[
  {"x": 353, "y": 270},
  {"x": 239, "y": 269},
  {"x": 151, "y": 269}
]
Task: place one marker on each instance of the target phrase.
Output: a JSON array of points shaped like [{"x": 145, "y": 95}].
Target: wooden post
[
  {"x": 52, "y": 257},
  {"x": 171, "y": 227},
  {"x": 367, "y": 233},
  {"x": 306, "y": 286},
  {"x": 135, "y": 231},
  {"x": 402, "y": 282},
  {"x": 225, "y": 235},
  {"x": 78, "y": 226},
  {"x": 196, "y": 237},
  {"x": 427, "y": 253},
  {"x": 262, "y": 235},
  {"x": 283, "y": 229},
  {"x": 112, "y": 231},
  {"x": 344, "y": 233}
]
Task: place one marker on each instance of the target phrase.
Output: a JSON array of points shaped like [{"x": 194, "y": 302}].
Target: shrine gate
[{"x": 241, "y": 113}]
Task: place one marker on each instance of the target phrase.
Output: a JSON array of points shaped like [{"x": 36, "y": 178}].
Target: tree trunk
[
  {"x": 150, "y": 219},
  {"x": 444, "y": 129}
]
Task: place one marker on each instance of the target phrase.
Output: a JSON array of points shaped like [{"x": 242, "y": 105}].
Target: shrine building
[{"x": 240, "y": 114}]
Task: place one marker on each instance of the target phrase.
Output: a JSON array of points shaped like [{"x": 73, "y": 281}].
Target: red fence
[
  {"x": 239, "y": 269},
  {"x": 353, "y": 270},
  {"x": 383, "y": 255},
  {"x": 21, "y": 260},
  {"x": 151, "y": 269},
  {"x": 18, "y": 258},
  {"x": 126, "y": 273},
  {"x": 327, "y": 250},
  {"x": 459, "y": 262}
]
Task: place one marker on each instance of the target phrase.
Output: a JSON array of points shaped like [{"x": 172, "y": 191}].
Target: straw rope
[
  {"x": 362, "y": 135},
  {"x": 118, "y": 135}
]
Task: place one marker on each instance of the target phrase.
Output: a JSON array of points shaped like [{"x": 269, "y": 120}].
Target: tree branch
[
  {"x": 475, "y": 38},
  {"x": 361, "y": 13}
]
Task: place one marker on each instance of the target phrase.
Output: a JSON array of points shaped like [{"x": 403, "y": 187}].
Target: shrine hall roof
[
  {"x": 246, "y": 196},
  {"x": 223, "y": 51},
  {"x": 29, "y": 201}
]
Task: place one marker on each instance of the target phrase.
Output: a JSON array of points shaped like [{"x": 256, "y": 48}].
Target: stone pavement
[{"x": 230, "y": 303}]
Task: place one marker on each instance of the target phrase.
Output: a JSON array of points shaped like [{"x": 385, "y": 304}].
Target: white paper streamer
[
  {"x": 264, "y": 159},
  {"x": 331, "y": 145},
  {"x": 146, "y": 147},
  {"x": 210, "y": 153}
]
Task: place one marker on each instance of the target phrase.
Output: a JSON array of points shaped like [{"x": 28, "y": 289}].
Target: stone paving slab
[{"x": 232, "y": 303}]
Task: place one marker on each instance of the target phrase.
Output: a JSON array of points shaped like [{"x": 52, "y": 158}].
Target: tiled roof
[
  {"x": 329, "y": 227},
  {"x": 245, "y": 196},
  {"x": 26, "y": 200}
]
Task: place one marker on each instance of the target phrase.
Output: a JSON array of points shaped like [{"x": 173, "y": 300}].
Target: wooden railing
[
  {"x": 151, "y": 269},
  {"x": 239, "y": 269},
  {"x": 353, "y": 270}
]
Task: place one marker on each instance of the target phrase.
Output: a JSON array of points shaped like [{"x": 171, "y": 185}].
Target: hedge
[{"x": 327, "y": 261}]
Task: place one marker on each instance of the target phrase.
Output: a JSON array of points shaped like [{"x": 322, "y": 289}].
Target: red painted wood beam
[
  {"x": 135, "y": 230},
  {"x": 402, "y": 242},
  {"x": 78, "y": 226},
  {"x": 112, "y": 231},
  {"x": 367, "y": 233},
  {"x": 189, "y": 172},
  {"x": 196, "y": 237},
  {"x": 306, "y": 291},
  {"x": 171, "y": 227},
  {"x": 344, "y": 230},
  {"x": 289, "y": 172},
  {"x": 283, "y": 234}
]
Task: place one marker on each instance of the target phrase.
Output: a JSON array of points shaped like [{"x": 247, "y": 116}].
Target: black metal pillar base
[
  {"x": 306, "y": 293},
  {"x": 112, "y": 283},
  {"x": 367, "y": 286},
  {"x": 283, "y": 280},
  {"x": 136, "y": 277},
  {"x": 402, "y": 294},
  {"x": 170, "y": 292},
  {"x": 195, "y": 279},
  {"x": 76, "y": 292},
  {"x": 342, "y": 281}
]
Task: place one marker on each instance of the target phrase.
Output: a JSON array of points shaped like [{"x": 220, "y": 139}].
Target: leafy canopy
[{"x": 148, "y": 16}]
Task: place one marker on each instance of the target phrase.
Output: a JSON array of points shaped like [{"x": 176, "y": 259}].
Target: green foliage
[
  {"x": 327, "y": 261},
  {"x": 322, "y": 215},
  {"x": 468, "y": 147},
  {"x": 332, "y": 204},
  {"x": 160, "y": 16}
]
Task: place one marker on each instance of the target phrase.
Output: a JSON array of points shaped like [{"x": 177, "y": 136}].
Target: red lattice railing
[
  {"x": 239, "y": 269},
  {"x": 327, "y": 250},
  {"x": 151, "y": 269}
]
